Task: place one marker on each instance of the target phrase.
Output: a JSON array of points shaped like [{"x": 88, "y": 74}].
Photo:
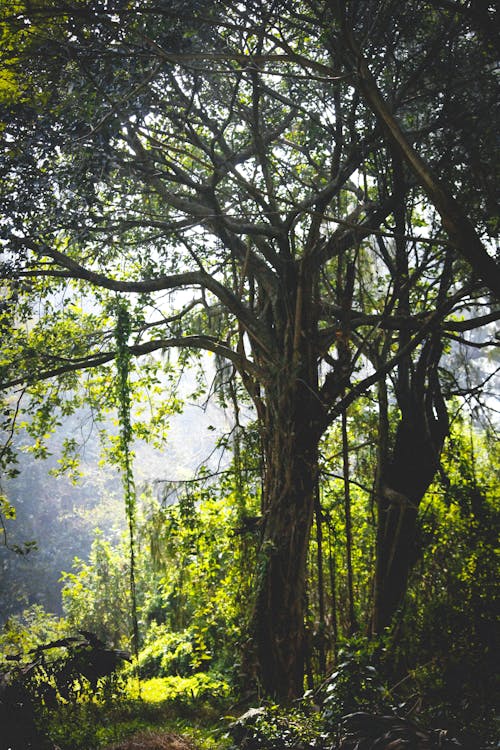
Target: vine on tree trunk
[{"x": 122, "y": 333}]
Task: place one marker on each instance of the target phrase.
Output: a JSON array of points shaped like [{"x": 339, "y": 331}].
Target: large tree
[{"x": 272, "y": 182}]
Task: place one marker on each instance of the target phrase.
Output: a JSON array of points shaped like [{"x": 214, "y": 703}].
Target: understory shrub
[
  {"x": 166, "y": 653},
  {"x": 355, "y": 685},
  {"x": 275, "y": 728},
  {"x": 51, "y": 680}
]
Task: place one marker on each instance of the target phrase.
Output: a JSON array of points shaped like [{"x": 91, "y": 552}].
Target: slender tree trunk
[
  {"x": 321, "y": 586},
  {"x": 308, "y": 646},
  {"x": 348, "y": 525},
  {"x": 332, "y": 567}
]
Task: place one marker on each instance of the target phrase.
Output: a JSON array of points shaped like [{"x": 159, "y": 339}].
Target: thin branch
[
  {"x": 473, "y": 344},
  {"x": 363, "y": 385},
  {"x": 10, "y": 433},
  {"x": 332, "y": 475}
]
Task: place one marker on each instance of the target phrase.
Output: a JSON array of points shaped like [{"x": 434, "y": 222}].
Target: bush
[
  {"x": 32, "y": 628},
  {"x": 275, "y": 728},
  {"x": 53, "y": 676},
  {"x": 355, "y": 685},
  {"x": 166, "y": 653},
  {"x": 443, "y": 650}
]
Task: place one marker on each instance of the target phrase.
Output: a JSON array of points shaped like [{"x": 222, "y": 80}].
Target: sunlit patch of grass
[
  {"x": 186, "y": 706},
  {"x": 199, "y": 686},
  {"x": 105, "y": 730}
]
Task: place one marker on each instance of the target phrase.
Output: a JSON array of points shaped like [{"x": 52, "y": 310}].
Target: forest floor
[{"x": 150, "y": 740}]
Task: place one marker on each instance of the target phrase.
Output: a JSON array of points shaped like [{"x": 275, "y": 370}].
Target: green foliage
[
  {"x": 97, "y": 725},
  {"x": 166, "y": 652},
  {"x": 187, "y": 706},
  {"x": 192, "y": 585},
  {"x": 201, "y": 592},
  {"x": 447, "y": 639},
  {"x": 8, "y": 513},
  {"x": 123, "y": 358},
  {"x": 275, "y": 728},
  {"x": 34, "y": 627},
  {"x": 96, "y": 597},
  {"x": 354, "y": 685},
  {"x": 186, "y": 691}
]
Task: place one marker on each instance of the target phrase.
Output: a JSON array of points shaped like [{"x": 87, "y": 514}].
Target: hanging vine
[{"x": 122, "y": 333}]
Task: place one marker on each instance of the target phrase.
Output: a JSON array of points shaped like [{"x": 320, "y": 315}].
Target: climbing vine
[{"x": 122, "y": 333}]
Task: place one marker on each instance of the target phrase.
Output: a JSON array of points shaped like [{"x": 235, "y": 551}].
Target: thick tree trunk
[
  {"x": 278, "y": 619},
  {"x": 292, "y": 421},
  {"x": 290, "y": 446},
  {"x": 401, "y": 490},
  {"x": 397, "y": 504}
]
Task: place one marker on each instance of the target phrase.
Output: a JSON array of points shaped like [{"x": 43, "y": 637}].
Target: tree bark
[
  {"x": 292, "y": 421},
  {"x": 352, "y": 625},
  {"x": 403, "y": 479},
  {"x": 291, "y": 476},
  {"x": 321, "y": 586}
]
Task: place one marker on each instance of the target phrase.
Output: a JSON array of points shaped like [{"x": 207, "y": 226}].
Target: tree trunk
[
  {"x": 332, "y": 567},
  {"x": 321, "y": 586},
  {"x": 278, "y": 619},
  {"x": 403, "y": 479},
  {"x": 401, "y": 489},
  {"x": 352, "y": 624},
  {"x": 290, "y": 447}
]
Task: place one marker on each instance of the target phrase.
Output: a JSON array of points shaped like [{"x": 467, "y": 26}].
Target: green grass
[{"x": 185, "y": 706}]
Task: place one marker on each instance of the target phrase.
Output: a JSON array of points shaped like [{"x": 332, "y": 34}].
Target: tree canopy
[{"x": 303, "y": 189}]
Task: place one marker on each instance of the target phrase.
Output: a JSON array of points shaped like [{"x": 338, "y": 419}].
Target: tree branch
[
  {"x": 206, "y": 343},
  {"x": 459, "y": 227},
  {"x": 162, "y": 283}
]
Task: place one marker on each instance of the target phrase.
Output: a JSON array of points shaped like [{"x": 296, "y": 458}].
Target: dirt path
[{"x": 153, "y": 741}]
